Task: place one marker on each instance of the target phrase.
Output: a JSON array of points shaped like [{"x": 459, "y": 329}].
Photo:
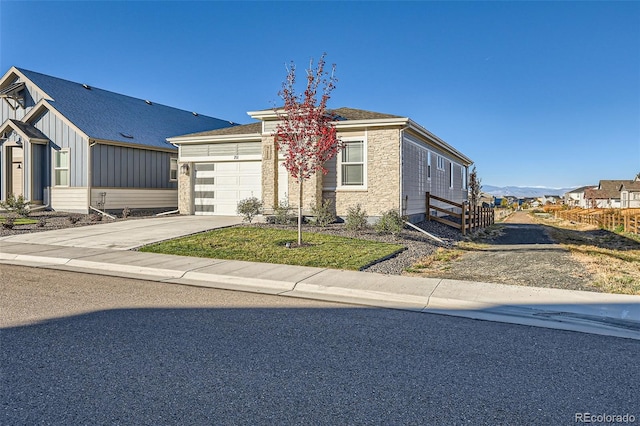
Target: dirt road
[{"x": 522, "y": 253}]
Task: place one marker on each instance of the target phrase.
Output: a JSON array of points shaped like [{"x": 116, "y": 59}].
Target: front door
[{"x": 17, "y": 171}]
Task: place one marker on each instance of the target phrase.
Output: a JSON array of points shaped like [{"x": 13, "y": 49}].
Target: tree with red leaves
[{"x": 305, "y": 132}]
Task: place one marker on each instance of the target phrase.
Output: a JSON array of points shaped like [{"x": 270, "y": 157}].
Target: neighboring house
[
  {"x": 548, "y": 199},
  {"x": 607, "y": 195},
  {"x": 389, "y": 163},
  {"x": 630, "y": 194},
  {"x": 69, "y": 146},
  {"x": 576, "y": 197}
]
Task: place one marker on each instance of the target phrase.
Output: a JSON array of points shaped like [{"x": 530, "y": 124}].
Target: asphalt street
[{"x": 86, "y": 349}]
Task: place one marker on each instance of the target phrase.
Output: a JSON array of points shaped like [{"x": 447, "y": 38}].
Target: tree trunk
[{"x": 300, "y": 216}]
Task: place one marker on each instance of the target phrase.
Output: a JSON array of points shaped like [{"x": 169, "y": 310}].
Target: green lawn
[
  {"x": 268, "y": 245},
  {"x": 20, "y": 221}
]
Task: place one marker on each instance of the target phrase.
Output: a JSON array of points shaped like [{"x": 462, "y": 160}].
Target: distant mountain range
[{"x": 523, "y": 191}]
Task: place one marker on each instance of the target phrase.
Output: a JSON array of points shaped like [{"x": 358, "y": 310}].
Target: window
[
  {"x": 61, "y": 168},
  {"x": 428, "y": 165},
  {"x": 440, "y": 163},
  {"x": 352, "y": 164},
  {"x": 451, "y": 175},
  {"x": 173, "y": 168}
]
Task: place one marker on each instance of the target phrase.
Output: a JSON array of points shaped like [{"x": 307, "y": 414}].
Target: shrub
[
  {"x": 95, "y": 217},
  {"x": 356, "y": 218},
  {"x": 74, "y": 218},
  {"x": 9, "y": 222},
  {"x": 249, "y": 208},
  {"x": 17, "y": 205},
  {"x": 126, "y": 212},
  {"x": 41, "y": 222},
  {"x": 324, "y": 213},
  {"x": 282, "y": 214},
  {"x": 390, "y": 223}
]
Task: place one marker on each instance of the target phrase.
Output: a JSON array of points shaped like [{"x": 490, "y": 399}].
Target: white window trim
[
  {"x": 451, "y": 175},
  {"x": 428, "y": 165},
  {"x": 342, "y": 187},
  {"x": 68, "y": 168},
  {"x": 172, "y": 161},
  {"x": 441, "y": 162}
]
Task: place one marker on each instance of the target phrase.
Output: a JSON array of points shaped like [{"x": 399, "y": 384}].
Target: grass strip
[{"x": 256, "y": 244}]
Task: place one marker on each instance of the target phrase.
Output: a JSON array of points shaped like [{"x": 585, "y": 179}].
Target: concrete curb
[{"x": 599, "y": 313}]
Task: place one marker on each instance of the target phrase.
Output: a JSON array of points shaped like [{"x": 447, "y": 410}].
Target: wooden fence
[
  {"x": 468, "y": 219},
  {"x": 628, "y": 219}
]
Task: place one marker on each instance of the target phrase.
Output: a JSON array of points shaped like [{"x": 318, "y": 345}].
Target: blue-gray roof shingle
[{"x": 106, "y": 115}]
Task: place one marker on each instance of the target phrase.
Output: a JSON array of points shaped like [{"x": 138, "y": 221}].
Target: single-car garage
[{"x": 218, "y": 186}]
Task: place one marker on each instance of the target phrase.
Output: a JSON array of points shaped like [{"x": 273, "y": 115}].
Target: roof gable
[{"x": 110, "y": 116}]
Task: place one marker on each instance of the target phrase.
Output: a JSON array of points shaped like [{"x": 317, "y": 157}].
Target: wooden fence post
[
  {"x": 463, "y": 218},
  {"x": 428, "y": 202}
]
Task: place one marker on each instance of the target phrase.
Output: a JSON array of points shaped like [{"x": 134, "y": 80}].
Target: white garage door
[{"x": 219, "y": 186}]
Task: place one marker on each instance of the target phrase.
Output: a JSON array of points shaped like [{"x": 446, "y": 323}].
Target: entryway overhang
[{"x": 25, "y": 132}]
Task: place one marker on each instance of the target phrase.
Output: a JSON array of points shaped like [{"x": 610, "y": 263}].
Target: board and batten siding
[
  {"x": 74, "y": 200},
  {"x": 31, "y": 98},
  {"x": 115, "y": 166},
  {"x": 65, "y": 137},
  {"x": 119, "y": 198}
]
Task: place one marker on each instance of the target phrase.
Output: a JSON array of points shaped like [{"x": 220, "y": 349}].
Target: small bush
[
  {"x": 249, "y": 208},
  {"x": 390, "y": 223},
  {"x": 74, "y": 218},
  {"x": 356, "y": 218},
  {"x": 41, "y": 222},
  {"x": 17, "y": 205},
  {"x": 9, "y": 222},
  {"x": 282, "y": 214},
  {"x": 95, "y": 217},
  {"x": 126, "y": 212},
  {"x": 324, "y": 213}
]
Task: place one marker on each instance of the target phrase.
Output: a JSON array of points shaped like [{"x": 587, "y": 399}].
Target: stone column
[
  {"x": 269, "y": 174},
  {"x": 186, "y": 171}
]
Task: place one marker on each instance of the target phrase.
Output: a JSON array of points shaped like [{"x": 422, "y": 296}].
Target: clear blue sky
[{"x": 536, "y": 93}]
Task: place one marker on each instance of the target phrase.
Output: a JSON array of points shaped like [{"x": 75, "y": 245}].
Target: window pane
[
  {"x": 62, "y": 159},
  {"x": 353, "y": 152},
  {"x": 62, "y": 177},
  {"x": 352, "y": 174}
]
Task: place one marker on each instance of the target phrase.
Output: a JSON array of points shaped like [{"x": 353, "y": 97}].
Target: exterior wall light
[{"x": 184, "y": 169}]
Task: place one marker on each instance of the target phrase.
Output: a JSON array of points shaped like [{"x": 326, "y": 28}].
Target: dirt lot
[{"x": 541, "y": 252}]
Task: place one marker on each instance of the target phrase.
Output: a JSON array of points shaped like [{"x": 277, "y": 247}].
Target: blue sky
[{"x": 536, "y": 93}]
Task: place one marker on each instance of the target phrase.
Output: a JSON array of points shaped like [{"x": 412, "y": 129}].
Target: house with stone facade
[
  {"x": 389, "y": 163},
  {"x": 70, "y": 146}
]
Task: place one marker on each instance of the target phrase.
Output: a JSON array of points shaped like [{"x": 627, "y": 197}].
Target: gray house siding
[
  {"x": 65, "y": 137},
  {"x": 422, "y": 172},
  {"x": 123, "y": 167}
]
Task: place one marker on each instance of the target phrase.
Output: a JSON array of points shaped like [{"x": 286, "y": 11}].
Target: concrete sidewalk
[{"x": 599, "y": 313}]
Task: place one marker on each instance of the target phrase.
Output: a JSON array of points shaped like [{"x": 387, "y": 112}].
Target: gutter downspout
[
  {"x": 401, "y": 174},
  {"x": 90, "y": 144}
]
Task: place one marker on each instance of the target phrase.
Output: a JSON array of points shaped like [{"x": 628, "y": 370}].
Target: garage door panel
[
  {"x": 226, "y": 167},
  {"x": 219, "y": 186},
  {"x": 227, "y": 181}
]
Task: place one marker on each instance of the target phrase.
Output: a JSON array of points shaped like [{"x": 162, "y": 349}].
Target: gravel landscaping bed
[{"x": 417, "y": 244}]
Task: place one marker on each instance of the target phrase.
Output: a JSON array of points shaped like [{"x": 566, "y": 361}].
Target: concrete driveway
[{"x": 126, "y": 234}]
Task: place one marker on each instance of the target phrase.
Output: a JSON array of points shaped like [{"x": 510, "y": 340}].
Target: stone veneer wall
[
  {"x": 383, "y": 177},
  {"x": 185, "y": 189},
  {"x": 269, "y": 174},
  {"x": 311, "y": 192}
]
